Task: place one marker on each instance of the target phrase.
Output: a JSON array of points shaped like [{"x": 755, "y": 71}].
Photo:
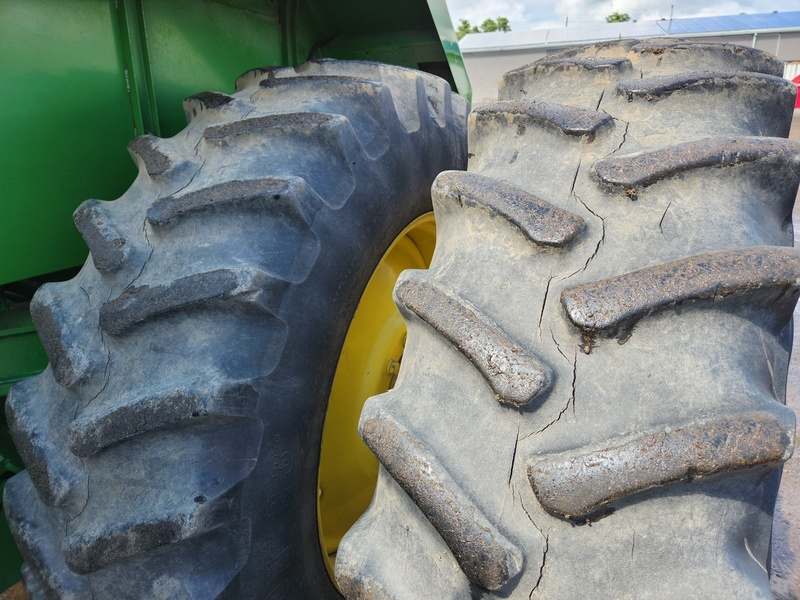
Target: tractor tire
[
  {"x": 592, "y": 399},
  {"x": 172, "y": 444}
]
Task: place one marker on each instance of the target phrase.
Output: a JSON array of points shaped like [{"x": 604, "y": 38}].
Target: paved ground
[{"x": 786, "y": 531}]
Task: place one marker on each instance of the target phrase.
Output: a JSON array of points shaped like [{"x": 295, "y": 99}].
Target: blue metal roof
[
  {"x": 777, "y": 20},
  {"x": 564, "y": 36}
]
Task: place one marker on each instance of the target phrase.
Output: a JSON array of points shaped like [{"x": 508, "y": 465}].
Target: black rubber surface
[
  {"x": 592, "y": 398},
  {"x": 172, "y": 445}
]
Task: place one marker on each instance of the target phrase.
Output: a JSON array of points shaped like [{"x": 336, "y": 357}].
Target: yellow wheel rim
[{"x": 367, "y": 366}]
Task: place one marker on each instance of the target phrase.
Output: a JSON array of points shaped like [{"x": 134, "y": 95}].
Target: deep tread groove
[
  {"x": 575, "y": 486},
  {"x": 484, "y": 554},
  {"x": 513, "y": 374}
]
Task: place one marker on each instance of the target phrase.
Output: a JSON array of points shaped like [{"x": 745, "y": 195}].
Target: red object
[{"x": 796, "y": 81}]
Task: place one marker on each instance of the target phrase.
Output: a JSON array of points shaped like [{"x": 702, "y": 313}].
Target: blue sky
[{"x": 537, "y": 14}]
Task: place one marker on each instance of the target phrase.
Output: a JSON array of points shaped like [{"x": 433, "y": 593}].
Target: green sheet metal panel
[
  {"x": 195, "y": 46},
  {"x": 63, "y": 128}
]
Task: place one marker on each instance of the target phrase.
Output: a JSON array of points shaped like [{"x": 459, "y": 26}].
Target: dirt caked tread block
[
  {"x": 228, "y": 132},
  {"x": 258, "y": 74},
  {"x": 209, "y": 100},
  {"x": 611, "y": 48},
  {"x": 343, "y": 80},
  {"x": 609, "y": 304},
  {"x": 137, "y": 305},
  {"x": 108, "y": 245},
  {"x": 485, "y": 555},
  {"x": 94, "y": 430},
  {"x": 744, "y": 58},
  {"x": 541, "y": 222},
  {"x": 37, "y": 536},
  {"x": 577, "y": 485},
  {"x": 647, "y": 168},
  {"x": 33, "y": 424},
  {"x": 146, "y": 149},
  {"x": 515, "y": 377},
  {"x": 569, "y": 120},
  {"x": 186, "y": 494},
  {"x": 589, "y": 63},
  {"x": 75, "y": 353},
  {"x": 266, "y": 194},
  {"x": 87, "y": 552},
  {"x": 652, "y": 89}
]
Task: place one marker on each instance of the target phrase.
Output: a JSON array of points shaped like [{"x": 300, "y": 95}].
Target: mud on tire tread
[
  {"x": 173, "y": 442},
  {"x": 649, "y": 464}
]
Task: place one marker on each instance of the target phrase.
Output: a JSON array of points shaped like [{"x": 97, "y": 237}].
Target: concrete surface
[{"x": 786, "y": 529}]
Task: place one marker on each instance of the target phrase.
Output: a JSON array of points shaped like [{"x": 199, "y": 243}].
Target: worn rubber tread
[
  {"x": 568, "y": 120},
  {"x": 715, "y": 355},
  {"x": 208, "y": 100},
  {"x": 610, "y": 304},
  {"x": 255, "y": 76},
  {"x": 483, "y": 552},
  {"x": 516, "y": 377},
  {"x": 183, "y": 288},
  {"x": 740, "y": 58},
  {"x": 645, "y": 169},
  {"x": 138, "y": 305},
  {"x": 37, "y": 535},
  {"x": 174, "y": 504},
  {"x": 236, "y": 195},
  {"x": 147, "y": 151},
  {"x": 656, "y": 88},
  {"x": 33, "y": 424},
  {"x": 108, "y": 246},
  {"x": 540, "y": 222},
  {"x": 577, "y": 486},
  {"x": 230, "y": 131},
  {"x": 97, "y": 429},
  {"x": 76, "y": 355}
]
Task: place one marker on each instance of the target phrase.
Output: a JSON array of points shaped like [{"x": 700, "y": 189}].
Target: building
[{"x": 488, "y": 55}]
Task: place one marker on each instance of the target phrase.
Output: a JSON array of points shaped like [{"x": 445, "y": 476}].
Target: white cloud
[{"x": 539, "y": 14}]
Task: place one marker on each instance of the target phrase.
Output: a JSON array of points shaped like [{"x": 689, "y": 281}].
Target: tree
[
  {"x": 498, "y": 24},
  {"x": 616, "y": 17},
  {"x": 464, "y": 28}
]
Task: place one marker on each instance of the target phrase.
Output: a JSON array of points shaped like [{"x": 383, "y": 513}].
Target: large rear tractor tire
[
  {"x": 592, "y": 400},
  {"x": 173, "y": 444}
]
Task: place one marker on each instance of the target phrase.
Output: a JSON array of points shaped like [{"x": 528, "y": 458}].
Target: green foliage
[
  {"x": 498, "y": 24},
  {"x": 616, "y": 17},
  {"x": 464, "y": 28}
]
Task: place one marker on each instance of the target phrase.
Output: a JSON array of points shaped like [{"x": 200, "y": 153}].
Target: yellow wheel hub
[{"x": 367, "y": 366}]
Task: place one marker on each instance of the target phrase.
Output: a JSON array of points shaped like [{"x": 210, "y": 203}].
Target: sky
[{"x": 540, "y": 14}]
